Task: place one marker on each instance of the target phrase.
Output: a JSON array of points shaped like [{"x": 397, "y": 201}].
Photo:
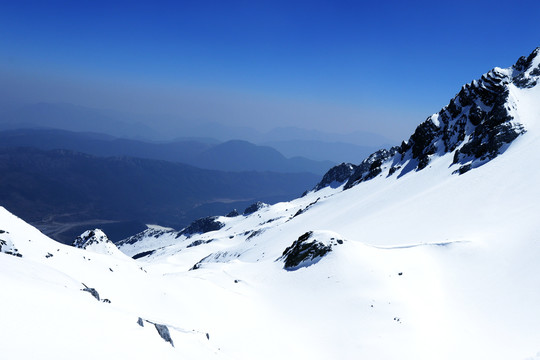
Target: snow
[
  {"x": 431, "y": 266},
  {"x": 158, "y": 227},
  {"x": 435, "y": 120}
]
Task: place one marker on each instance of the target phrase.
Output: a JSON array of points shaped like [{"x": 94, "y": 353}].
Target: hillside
[{"x": 427, "y": 250}]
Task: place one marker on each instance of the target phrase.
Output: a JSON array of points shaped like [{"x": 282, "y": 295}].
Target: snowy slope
[
  {"x": 46, "y": 315},
  {"x": 465, "y": 246},
  {"x": 421, "y": 262}
]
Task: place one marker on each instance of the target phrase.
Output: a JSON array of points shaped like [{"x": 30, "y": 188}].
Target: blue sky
[{"x": 330, "y": 65}]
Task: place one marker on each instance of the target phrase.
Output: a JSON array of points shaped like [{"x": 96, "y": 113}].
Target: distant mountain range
[
  {"x": 234, "y": 155},
  {"x": 290, "y": 141},
  {"x": 73, "y": 118},
  {"x": 61, "y": 191},
  {"x": 337, "y": 152}
]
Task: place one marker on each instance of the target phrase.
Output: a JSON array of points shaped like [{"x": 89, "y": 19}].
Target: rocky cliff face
[
  {"x": 337, "y": 175},
  {"x": 476, "y": 126}
]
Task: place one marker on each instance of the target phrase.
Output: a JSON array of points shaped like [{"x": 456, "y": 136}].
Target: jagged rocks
[
  {"x": 477, "y": 125},
  {"x": 233, "y": 213},
  {"x": 423, "y": 142},
  {"x": 303, "y": 210},
  {"x": 202, "y": 226},
  {"x": 254, "y": 207},
  {"x": 486, "y": 144},
  {"x": 528, "y": 75},
  {"x": 7, "y": 247},
  {"x": 370, "y": 167},
  {"x": 308, "y": 249},
  {"x": 336, "y": 176},
  {"x": 163, "y": 331},
  {"x": 96, "y": 241},
  {"x": 199, "y": 242},
  {"x": 89, "y": 238},
  {"x": 92, "y": 292}
]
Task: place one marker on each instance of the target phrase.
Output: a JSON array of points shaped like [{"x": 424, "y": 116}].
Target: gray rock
[
  {"x": 163, "y": 331},
  {"x": 92, "y": 291}
]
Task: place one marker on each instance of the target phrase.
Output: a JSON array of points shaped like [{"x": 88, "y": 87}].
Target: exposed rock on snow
[
  {"x": 254, "y": 207},
  {"x": 336, "y": 176},
  {"x": 308, "y": 250},
  {"x": 477, "y": 125},
  {"x": 92, "y": 292},
  {"x": 163, "y": 331},
  {"x": 143, "y": 254},
  {"x": 370, "y": 167},
  {"x": 202, "y": 226},
  {"x": 96, "y": 241},
  {"x": 152, "y": 231},
  {"x": 7, "y": 247},
  {"x": 233, "y": 213},
  {"x": 199, "y": 242},
  {"x": 303, "y": 210}
]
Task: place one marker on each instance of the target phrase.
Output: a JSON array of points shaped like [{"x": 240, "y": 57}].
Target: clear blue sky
[{"x": 380, "y": 66}]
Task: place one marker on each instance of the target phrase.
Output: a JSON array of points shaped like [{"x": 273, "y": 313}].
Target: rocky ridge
[
  {"x": 96, "y": 241},
  {"x": 476, "y": 126}
]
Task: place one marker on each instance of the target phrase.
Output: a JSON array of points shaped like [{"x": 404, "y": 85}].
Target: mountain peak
[
  {"x": 95, "y": 241},
  {"x": 526, "y": 71},
  {"x": 478, "y": 124}
]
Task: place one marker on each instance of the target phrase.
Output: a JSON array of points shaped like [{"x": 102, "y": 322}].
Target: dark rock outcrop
[
  {"x": 8, "y": 248},
  {"x": 202, "y": 226},
  {"x": 199, "y": 242},
  {"x": 233, "y": 213},
  {"x": 336, "y": 176},
  {"x": 370, "y": 167},
  {"x": 143, "y": 254},
  {"x": 163, "y": 331},
  {"x": 254, "y": 207},
  {"x": 306, "y": 251},
  {"x": 89, "y": 238},
  {"x": 92, "y": 292}
]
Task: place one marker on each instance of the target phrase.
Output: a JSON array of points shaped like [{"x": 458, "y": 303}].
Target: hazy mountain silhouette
[
  {"x": 202, "y": 153},
  {"x": 65, "y": 187}
]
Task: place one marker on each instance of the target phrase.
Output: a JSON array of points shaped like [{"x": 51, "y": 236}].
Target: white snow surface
[{"x": 432, "y": 266}]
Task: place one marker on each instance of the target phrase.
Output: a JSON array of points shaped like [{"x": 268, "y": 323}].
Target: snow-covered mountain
[
  {"x": 96, "y": 241},
  {"x": 428, "y": 250}
]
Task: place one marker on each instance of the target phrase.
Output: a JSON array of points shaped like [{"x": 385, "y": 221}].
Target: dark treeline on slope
[{"x": 58, "y": 190}]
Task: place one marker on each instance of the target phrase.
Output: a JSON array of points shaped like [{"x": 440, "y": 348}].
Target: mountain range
[
  {"x": 170, "y": 130},
  {"x": 426, "y": 250},
  {"x": 64, "y": 192},
  {"x": 233, "y": 155}
]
